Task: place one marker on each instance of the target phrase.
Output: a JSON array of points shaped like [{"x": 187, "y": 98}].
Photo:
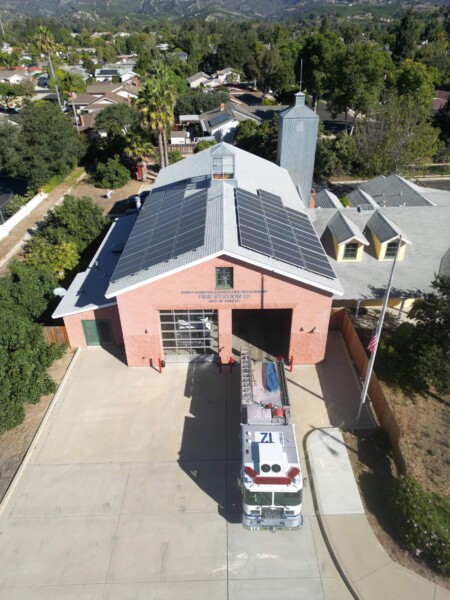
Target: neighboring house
[
  {"x": 87, "y": 106},
  {"x": 130, "y": 89},
  {"x": 222, "y": 122},
  {"x": 183, "y": 56},
  {"x": 124, "y": 74},
  {"x": 198, "y": 79},
  {"x": 6, "y": 48},
  {"x": 76, "y": 70},
  {"x": 211, "y": 81},
  {"x": 180, "y": 137},
  {"x": 227, "y": 76},
  {"x": 385, "y": 213},
  {"x": 89, "y": 102},
  {"x": 14, "y": 77}
]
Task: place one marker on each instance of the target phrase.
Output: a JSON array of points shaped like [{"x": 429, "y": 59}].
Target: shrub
[
  {"x": 175, "y": 156},
  {"x": 59, "y": 258},
  {"x": 27, "y": 289},
  {"x": 77, "y": 220},
  {"x": 24, "y": 359},
  {"x": 112, "y": 174},
  {"x": 422, "y": 523},
  {"x": 16, "y": 203},
  {"x": 203, "y": 146}
]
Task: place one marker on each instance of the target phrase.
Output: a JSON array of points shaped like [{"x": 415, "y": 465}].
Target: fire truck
[{"x": 271, "y": 478}]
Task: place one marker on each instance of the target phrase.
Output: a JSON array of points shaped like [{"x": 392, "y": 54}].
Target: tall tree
[
  {"x": 407, "y": 36},
  {"x": 45, "y": 145},
  {"x": 395, "y": 135},
  {"x": 357, "y": 79},
  {"x": 67, "y": 83},
  {"x": 415, "y": 79},
  {"x": 318, "y": 54},
  {"x": 156, "y": 102},
  {"x": 45, "y": 43}
]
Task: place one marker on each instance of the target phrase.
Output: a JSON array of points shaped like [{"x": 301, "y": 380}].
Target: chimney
[{"x": 297, "y": 138}]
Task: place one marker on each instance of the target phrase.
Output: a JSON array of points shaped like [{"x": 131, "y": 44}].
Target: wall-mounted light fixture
[
  {"x": 146, "y": 331},
  {"x": 302, "y": 329},
  {"x": 315, "y": 330}
]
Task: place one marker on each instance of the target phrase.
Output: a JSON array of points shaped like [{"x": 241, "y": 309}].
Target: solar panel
[
  {"x": 168, "y": 225},
  {"x": 219, "y": 119},
  {"x": 313, "y": 252},
  {"x": 267, "y": 227}
]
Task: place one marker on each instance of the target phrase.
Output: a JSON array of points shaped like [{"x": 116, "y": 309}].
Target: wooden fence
[
  {"x": 185, "y": 149},
  {"x": 342, "y": 322},
  {"x": 56, "y": 335}
]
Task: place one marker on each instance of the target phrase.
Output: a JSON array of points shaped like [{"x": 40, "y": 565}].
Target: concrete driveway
[{"x": 130, "y": 492}]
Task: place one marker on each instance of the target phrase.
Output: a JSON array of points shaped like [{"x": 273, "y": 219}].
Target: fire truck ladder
[{"x": 246, "y": 376}]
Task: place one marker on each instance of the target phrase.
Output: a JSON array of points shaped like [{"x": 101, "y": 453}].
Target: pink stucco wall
[
  {"x": 194, "y": 288},
  {"x": 74, "y": 326}
]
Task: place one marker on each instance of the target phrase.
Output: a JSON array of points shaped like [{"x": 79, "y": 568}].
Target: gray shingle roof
[
  {"x": 344, "y": 230},
  {"x": 326, "y": 199},
  {"x": 361, "y": 198},
  {"x": 394, "y": 191},
  {"x": 221, "y": 233},
  {"x": 426, "y": 226},
  {"x": 385, "y": 229},
  {"x": 196, "y": 76}
]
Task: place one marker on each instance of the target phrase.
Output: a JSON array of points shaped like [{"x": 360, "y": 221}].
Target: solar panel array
[
  {"x": 221, "y": 118},
  {"x": 269, "y": 228},
  {"x": 168, "y": 225}
]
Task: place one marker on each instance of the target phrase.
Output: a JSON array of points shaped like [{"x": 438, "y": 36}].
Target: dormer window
[
  {"x": 351, "y": 251},
  {"x": 348, "y": 239},
  {"x": 391, "y": 249},
  {"x": 388, "y": 240},
  {"x": 222, "y": 163}
]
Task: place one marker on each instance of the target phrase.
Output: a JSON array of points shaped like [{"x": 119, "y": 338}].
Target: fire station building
[{"x": 221, "y": 254}]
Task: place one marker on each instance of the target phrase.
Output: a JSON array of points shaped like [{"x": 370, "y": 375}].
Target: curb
[
  {"x": 322, "y": 526},
  {"x": 17, "y": 477}
]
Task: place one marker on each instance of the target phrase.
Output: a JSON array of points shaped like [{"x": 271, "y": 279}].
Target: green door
[{"x": 98, "y": 333}]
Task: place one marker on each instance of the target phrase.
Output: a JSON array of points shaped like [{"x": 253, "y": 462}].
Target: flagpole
[{"x": 377, "y": 334}]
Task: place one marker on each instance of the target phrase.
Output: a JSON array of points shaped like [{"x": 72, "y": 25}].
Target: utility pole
[
  {"x": 1, "y": 25},
  {"x": 377, "y": 335}
]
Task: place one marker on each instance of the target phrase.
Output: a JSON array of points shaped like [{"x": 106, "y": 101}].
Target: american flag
[{"x": 373, "y": 343}]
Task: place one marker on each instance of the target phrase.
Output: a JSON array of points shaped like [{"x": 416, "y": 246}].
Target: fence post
[
  {"x": 160, "y": 365},
  {"x": 291, "y": 364}
]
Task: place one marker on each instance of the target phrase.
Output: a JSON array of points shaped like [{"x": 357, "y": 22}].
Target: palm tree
[
  {"x": 156, "y": 102},
  {"x": 45, "y": 43}
]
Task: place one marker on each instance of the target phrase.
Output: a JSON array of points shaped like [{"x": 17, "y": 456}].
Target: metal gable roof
[
  {"x": 220, "y": 231},
  {"x": 344, "y": 230}
]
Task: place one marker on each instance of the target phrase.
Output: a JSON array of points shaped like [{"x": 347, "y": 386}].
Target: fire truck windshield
[
  {"x": 257, "y": 498},
  {"x": 288, "y": 498}
]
